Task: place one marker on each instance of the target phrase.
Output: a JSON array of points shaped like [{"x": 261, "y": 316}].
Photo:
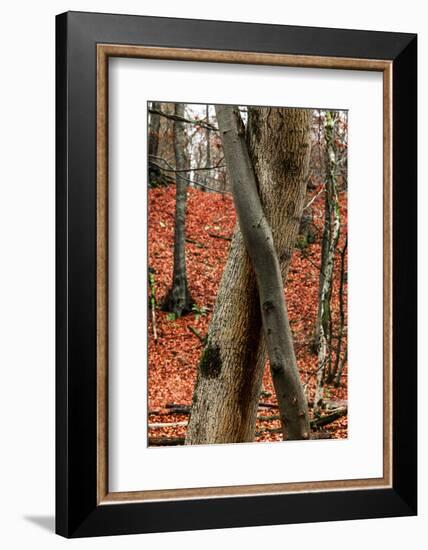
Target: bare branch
[
  {"x": 314, "y": 198},
  {"x": 200, "y": 123},
  {"x": 185, "y": 170},
  {"x": 179, "y": 175}
]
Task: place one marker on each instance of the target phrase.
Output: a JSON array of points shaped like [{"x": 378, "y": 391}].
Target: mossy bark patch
[{"x": 210, "y": 364}]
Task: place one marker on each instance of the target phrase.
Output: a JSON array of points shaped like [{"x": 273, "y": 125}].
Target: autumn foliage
[{"x": 174, "y": 356}]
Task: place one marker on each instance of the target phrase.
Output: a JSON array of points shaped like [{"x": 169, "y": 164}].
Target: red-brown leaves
[{"x": 174, "y": 359}]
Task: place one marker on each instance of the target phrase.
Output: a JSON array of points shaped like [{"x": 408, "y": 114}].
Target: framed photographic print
[{"x": 236, "y": 274}]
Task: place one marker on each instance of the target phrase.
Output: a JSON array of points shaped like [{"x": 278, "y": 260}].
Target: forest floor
[{"x": 174, "y": 357}]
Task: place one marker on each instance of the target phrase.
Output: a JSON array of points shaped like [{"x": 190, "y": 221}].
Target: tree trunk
[
  {"x": 230, "y": 373},
  {"x": 325, "y": 245},
  {"x": 178, "y": 299},
  {"x": 154, "y": 130},
  {"x": 340, "y": 368},
  {"x": 208, "y": 150},
  {"x": 257, "y": 236},
  {"x": 326, "y": 279},
  {"x": 333, "y": 373},
  {"x": 153, "y": 146}
]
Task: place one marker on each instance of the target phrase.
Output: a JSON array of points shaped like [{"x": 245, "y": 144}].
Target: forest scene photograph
[{"x": 247, "y": 274}]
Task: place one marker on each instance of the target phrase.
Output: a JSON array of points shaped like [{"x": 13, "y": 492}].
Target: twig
[
  {"x": 165, "y": 441},
  {"x": 220, "y": 237},
  {"x": 197, "y": 334},
  {"x": 200, "y": 123},
  {"x": 193, "y": 182},
  {"x": 268, "y": 418},
  {"x": 269, "y": 430},
  {"x": 157, "y": 425},
  {"x": 314, "y": 198},
  {"x": 321, "y": 435},
  {"x": 268, "y": 405},
  {"x": 177, "y": 408},
  {"x": 306, "y": 257},
  {"x": 189, "y": 169},
  {"x": 172, "y": 168},
  {"x": 191, "y": 241},
  {"x": 316, "y": 423},
  {"x": 329, "y": 418}
]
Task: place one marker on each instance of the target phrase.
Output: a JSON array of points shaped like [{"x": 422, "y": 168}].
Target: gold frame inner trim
[{"x": 104, "y": 51}]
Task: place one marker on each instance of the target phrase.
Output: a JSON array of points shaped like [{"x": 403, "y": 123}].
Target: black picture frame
[{"x": 78, "y": 513}]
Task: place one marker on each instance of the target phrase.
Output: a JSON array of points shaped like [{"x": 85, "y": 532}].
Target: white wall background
[{"x": 27, "y": 272}]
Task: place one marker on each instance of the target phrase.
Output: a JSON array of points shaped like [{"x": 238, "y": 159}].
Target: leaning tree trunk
[
  {"x": 230, "y": 373},
  {"x": 178, "y": 299},
  {"x": 259, "y": 244}
]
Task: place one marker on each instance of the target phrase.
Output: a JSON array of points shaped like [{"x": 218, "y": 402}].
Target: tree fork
[
  {"x": 258, "y": 239},
  {"x": 224, "y": 407}
]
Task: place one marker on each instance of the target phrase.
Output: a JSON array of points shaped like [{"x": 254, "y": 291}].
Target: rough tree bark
[
  {"x": 257, "y": 236},
  {"x": 229, "y": 378},
  {"x": 153, "y": 145},
  {"x": 154, "y": 129},
  {"x": 178, "y": 300}
]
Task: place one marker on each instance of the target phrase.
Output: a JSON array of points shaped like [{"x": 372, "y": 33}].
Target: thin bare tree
[{"x": 178, "y": 300}]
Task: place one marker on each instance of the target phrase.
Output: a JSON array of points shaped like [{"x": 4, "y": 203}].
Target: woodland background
[{"x": 176, "y": 339}]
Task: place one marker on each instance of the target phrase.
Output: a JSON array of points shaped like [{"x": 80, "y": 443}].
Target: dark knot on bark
[
  {"x": 210, "y": 364},
  {"x": 268, "y": 306},
  {"x": 277, "y": 367}
]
